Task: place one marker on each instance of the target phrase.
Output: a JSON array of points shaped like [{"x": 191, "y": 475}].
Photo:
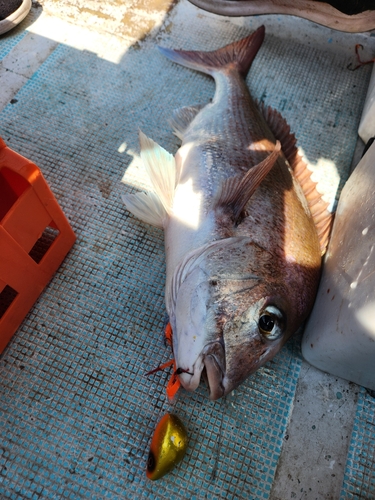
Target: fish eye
[{"x": 271, "y": 323}]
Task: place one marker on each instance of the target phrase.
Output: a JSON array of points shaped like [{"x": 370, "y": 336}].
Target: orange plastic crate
[{"x": 35, "y": 236}]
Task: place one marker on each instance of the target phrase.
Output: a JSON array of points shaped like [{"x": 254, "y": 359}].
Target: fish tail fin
[{"x": 239, "y": 55}]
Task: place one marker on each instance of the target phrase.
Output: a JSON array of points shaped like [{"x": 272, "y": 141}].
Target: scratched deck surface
[{"x": 76, "y": 410}]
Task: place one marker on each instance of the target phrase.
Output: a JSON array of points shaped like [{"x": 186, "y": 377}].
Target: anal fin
[{"x": 182, "y": 118}]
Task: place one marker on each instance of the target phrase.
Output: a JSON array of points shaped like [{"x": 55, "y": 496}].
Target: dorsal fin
[
  {"x": 323, "y": 219},
  {"x": 182, "y": 118}
]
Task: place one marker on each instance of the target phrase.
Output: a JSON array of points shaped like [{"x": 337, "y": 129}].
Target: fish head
[{"x": 235, "y": 307}]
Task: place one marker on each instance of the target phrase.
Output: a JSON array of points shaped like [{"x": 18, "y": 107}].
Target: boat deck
[{"x": 77, "y": 413}]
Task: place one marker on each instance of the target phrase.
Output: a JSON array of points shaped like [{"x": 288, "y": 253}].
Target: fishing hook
[
  {"x": 360, "y": 62},
  {"x": 182, "y": 370}
]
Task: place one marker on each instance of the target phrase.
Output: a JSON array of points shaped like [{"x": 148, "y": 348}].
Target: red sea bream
[{"x": 244, "y": 226}]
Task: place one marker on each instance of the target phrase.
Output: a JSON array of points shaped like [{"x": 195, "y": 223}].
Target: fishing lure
[{"x": 168, "y": 446}]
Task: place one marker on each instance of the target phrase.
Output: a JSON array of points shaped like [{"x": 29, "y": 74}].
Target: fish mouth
[
  {"x": 214, "y": 363},
  {"x": 211, "y": 363}
]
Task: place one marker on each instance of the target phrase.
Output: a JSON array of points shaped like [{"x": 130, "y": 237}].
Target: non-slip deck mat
[
  {"x": 76, "y": 410},
  {"x": 359, "y": 480}
]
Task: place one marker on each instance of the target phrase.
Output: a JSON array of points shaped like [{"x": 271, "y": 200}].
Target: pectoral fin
[{"x": 237, "y": 191}]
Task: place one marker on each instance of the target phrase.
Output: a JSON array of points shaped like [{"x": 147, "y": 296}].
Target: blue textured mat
[
  {"x": 359, "y": 480},
  {"x": 76, "y": 410},
  {"x": 7, "y": 42}
]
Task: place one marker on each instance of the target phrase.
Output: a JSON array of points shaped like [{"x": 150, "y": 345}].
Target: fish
[{"x": 244, "y": 225}]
